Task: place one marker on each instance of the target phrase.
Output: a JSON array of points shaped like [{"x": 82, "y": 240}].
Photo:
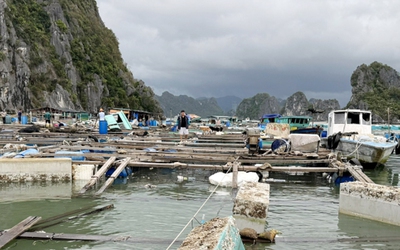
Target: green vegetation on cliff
[
  {"x": 93, "y": 49},
  {"x": 32, "y": 25},
  {"x": 252, "y": 107},
  {"x": 376, "y": 87}
]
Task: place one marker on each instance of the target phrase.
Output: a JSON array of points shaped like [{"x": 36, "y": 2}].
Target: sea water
[{"x": 303, "y": 207}]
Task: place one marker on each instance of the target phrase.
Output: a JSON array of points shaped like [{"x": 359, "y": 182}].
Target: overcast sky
[{"x": 215, "y": 48}]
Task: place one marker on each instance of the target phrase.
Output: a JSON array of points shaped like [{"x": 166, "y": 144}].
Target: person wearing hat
[
  {"x": 101, "y": 115},
  {"x": 183, "y": 125}
]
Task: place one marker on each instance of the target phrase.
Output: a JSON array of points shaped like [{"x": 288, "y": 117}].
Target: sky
[{"x": 216, "y": 48}]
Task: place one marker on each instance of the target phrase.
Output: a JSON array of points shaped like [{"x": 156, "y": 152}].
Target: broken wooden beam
[
  {"x": 97, "y": 210},
  {"x": 88, "y": 237},
  {"x": 17, "y": 230},
  {"x": 98, "y": 175},
  {"x": 113, "y": 176}
]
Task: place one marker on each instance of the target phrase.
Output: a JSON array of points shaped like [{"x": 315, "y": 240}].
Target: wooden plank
[
  {"x": 357, "y": 173},
  {"x": 17, "y": 230},
  {"x": 223, "y": 167},
  {"x": 113, "y": 176},
  {"x": 86, "y": 237},
  {"x": 55, "y": 222},
  {"x": 99, "y": 174}
]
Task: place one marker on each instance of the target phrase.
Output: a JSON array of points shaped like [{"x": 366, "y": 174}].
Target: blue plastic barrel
[
  {"x": 103, "y": 127},
  {"x": 324, "y": 133},
  {"x": 280, "y": 144},
  {"x": 24, "y": 119}
]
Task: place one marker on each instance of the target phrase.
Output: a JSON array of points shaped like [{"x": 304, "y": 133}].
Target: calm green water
[{"x": 304, "y": 208}]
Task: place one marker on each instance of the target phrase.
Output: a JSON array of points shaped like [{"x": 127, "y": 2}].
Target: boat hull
[{"x": 370, "y": 154}]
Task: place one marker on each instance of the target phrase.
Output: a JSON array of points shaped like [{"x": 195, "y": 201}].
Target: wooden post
[
  {"x": 17, "y": 230},
  {"x": 235, "y": 175}
]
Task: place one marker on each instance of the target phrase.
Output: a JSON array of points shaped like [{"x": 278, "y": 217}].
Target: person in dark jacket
[
  {"x": 19, "y": 116},
  {"x": 183, "y": 125}
]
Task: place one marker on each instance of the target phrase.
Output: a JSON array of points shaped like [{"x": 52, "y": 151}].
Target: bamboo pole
[{"x": 235, "y": 175}]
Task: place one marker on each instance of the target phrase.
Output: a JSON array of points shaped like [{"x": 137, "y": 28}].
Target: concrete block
[
  {"x": 82, "y": 171},
  {"x": 371, "y": 201},
  {"x": 251, "y": 206},
  {"x": 217, "y": 234},
  {"x": 35, "y": 169}
]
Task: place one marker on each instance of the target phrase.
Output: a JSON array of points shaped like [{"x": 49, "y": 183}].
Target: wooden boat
[
  {"x": 350, "y": 132},
  {"x": 267, "y": 118},
  {"x": 296, "y": 122}
]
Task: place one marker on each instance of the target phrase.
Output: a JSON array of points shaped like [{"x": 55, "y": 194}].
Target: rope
[
  {"x": 358, "y": 145},
  {"x": 204, "y": 203}
]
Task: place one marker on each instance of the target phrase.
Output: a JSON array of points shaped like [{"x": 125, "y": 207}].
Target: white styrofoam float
[{"x": 225, "y": 180}]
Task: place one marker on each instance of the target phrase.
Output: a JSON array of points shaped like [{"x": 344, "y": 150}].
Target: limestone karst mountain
[{"x": 59, "y": 53}]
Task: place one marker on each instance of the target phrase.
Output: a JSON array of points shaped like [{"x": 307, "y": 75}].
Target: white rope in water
[{"x": 200, "y": 208}]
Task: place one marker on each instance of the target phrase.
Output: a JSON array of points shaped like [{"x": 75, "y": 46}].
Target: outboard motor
[{"x": 253, "y": 140}]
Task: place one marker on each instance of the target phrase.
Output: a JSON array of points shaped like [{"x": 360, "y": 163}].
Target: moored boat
[{"x": 350, "y": 132}]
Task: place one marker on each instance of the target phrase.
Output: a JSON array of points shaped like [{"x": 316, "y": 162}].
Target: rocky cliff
[
  {"x": 296, "y": 104},
  {"x": 324, "y": 106},
  {"x": 376, "y": 87},
  {"x": 258, "y": 105},
  {"x": 58, "y": 53}
]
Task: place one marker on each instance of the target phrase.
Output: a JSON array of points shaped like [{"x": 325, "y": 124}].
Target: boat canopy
[
  {"x": 350, "y": 120},
  {"x": 268, "y": 116}
]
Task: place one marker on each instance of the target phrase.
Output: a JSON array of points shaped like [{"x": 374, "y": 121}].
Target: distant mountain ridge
[
  {"x": 253, "y": 107},
  {"x": 172, "y": 105},
  {"x": 375, "y": 87}
]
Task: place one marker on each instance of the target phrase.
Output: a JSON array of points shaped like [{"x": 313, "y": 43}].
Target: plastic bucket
[
  {"x": 24, "y": 119},
  {"x": 103, "y": 127}
]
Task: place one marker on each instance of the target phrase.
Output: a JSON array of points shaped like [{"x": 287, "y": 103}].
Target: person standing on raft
[{"x": 183, "y": 125}]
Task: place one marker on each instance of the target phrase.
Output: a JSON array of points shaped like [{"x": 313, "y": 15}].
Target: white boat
[{"x": 350, "y": 132}]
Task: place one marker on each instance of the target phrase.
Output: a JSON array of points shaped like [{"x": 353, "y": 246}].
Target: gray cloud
[{"x": 232, "y": 47}]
